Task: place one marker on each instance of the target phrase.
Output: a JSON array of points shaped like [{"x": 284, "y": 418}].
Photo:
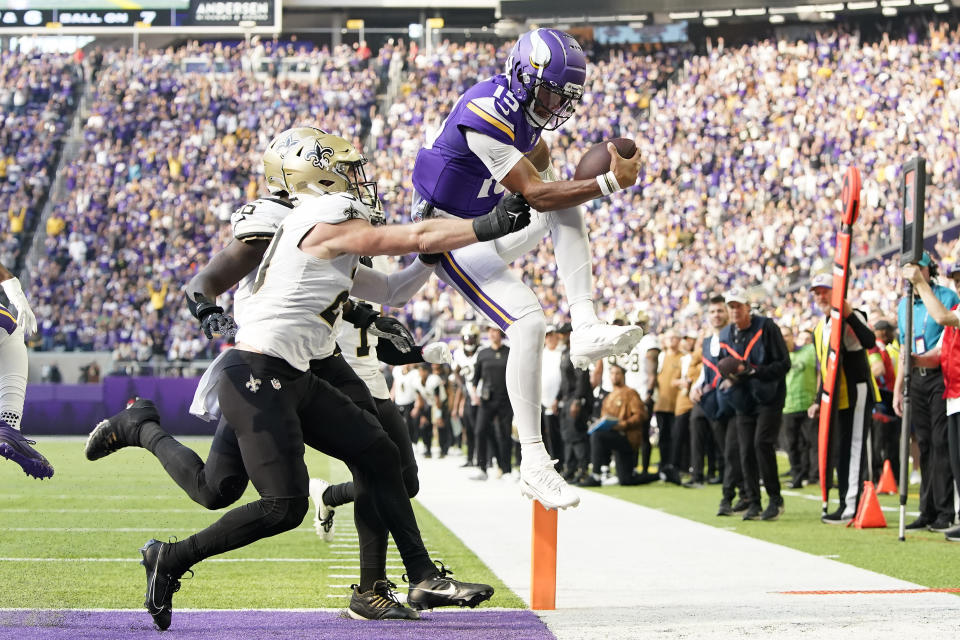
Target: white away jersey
[
  {"x": 294, "y": 312},
  {"x": 634, "y": 366},
  {"x": 360, "y": 348},
  {"x": 465, "y": 366},
  {"x": 257, "y": 220}
]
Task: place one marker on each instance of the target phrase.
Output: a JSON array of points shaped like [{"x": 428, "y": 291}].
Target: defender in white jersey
[
  {"x": 13, "y": 379},
  {"x": 274, "y": 406}
]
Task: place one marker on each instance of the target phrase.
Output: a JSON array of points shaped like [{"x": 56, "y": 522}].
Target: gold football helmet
[
  {"x": 329, "y": 164},
  {"x": 278, "y": 148}
]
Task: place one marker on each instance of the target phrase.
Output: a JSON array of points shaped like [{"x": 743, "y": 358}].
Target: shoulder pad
[
  {"x": 490, "y": 117},
  {"x": 259, "y": 220}
]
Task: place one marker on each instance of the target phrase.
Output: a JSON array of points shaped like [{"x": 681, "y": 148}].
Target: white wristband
[{"x": 608, "y": 183}]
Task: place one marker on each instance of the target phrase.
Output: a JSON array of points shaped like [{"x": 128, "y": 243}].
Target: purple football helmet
[{"x": 546, "y": 70}]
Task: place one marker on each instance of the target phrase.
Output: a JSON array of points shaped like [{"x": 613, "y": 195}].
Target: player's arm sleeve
[
  {"x": 392, "y": 290},
  {"x": 226, "y": 268},
  {"x": 389, "y": 354},
  {"x": 858, "y": 324},
  {"x": 498, "y": 157}
]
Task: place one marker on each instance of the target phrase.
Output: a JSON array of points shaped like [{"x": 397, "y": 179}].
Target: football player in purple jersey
[
  {"x": 13, "y": 379},
  {"x": 490, "y": 143}
]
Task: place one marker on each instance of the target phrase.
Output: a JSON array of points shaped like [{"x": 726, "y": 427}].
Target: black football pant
[
  {"x": 680, "y": 442},
  {"x": 494, "y": 422},
  {"x": 550, "y": 431},
  {"x": 757, "y": 438},
  {"x": 603, "y": 443},
  {"x": 576, "y": 447},
  {"x": 665, "y": 439},
  {"x": 725, "y": 432},
  {"x": 702, "y": 445},
  {"x": 469, "y": 421},
  {"x": 409, "y": 421},
  {"x": 800, "y": 450},
  {"x": 928, "y": 411},
  {"x": 274, "y": 411}
]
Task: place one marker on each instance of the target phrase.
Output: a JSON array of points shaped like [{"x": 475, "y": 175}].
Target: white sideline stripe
[
  {"x": 98, "y": 510},
  {"x": 8, "y": 559},
  {"x": 807, "y": 496},
  {"x": 117, "y": 529}
]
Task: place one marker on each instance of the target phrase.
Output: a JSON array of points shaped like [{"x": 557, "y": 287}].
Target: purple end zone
[{"x": 267, "y": 624}]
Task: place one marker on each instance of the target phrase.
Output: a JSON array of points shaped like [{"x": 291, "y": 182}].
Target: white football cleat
[
  {"x": 598, "y": 340},
  {"x": 322, "y": 515},
  {"x": 542, "y": 483}
]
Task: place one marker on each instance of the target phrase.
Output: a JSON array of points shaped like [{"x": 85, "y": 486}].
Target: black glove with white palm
[
  {"x": 364, "y": 316},
  {"x": 213, "y": 320},
  {"x": 511, "y": 214}
]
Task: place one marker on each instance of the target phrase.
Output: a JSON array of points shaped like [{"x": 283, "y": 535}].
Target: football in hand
[
  {"x": 729, "y": 367},
  {"x": 596, "y": 160}
]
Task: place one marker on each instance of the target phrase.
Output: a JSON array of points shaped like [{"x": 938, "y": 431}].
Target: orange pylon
[
  {"x": 869, "y": 514},
  {"x": 887, "y": 484},
  {"x": 543, "y": 559}
]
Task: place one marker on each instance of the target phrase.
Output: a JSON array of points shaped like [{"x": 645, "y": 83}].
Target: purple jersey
[
  {"x": 8, "y": 322},
  {"x": 447, "y": 174}
]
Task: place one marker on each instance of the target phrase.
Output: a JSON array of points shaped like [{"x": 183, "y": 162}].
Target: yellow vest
[{"x": 842, "y": 400}]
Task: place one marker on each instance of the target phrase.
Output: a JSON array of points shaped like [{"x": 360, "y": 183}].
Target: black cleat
[
  {"x": 752, "y": 513},
  {"x": 441, "y": 591},
  {"x": 740, "y": 506},
  {"x": 161, "y": 584},
  {"x": 836, "y": 517},
  {"x": 725, "y": 509},
  {"x": 380, "y": 603},
  {"x": 773, "y": 511},
  {"x": 121, "y": 430},
  {"x": 13, "y": 446}
]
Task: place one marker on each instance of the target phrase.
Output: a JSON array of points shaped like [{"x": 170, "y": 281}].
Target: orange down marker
[{"x": 543, "y": 559}]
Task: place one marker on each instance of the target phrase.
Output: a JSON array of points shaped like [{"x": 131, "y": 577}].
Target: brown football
[
  {"x": 596, "y": 160},
  {"x": 728, "y": 366}
]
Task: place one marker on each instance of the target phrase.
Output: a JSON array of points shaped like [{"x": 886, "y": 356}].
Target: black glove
[
  {"x": 511, "y": 214},
  {"x": 387, "y": 328},
  {"x": 430, "y": 258},
  {"x": 363, "y": 316},
  {"x": 359, "y": 314},
  {"x": 214, "y": 321}
]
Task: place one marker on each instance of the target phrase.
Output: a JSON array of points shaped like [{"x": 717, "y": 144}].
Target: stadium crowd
[{"x": 38, "y": 94}]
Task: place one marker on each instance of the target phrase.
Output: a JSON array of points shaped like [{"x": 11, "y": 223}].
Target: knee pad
[
  {"x": 229, "y": 491},
  {"x": 382, "y": 453},
  {"x": 284, "y": 514}
]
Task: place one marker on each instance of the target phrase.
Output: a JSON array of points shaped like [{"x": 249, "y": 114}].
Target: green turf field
[
  {"x": 925, "y": 558},
  {"x": 80, "y": 533}
]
